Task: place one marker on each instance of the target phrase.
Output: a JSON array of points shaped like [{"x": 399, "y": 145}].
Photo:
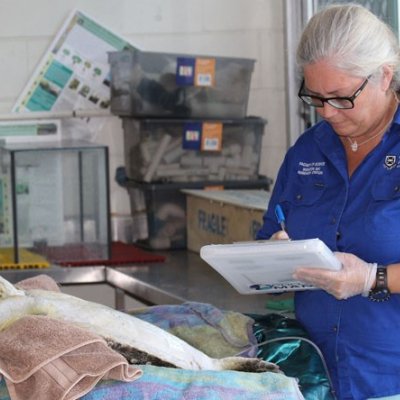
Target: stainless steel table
[
  {"x": 182, "y": 277},
  {"x": 62, "y": 275}
]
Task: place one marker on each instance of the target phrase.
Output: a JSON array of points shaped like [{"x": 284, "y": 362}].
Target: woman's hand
[
  {"x": 280, "y": 235},
  {"x": 355, "y": 277}
]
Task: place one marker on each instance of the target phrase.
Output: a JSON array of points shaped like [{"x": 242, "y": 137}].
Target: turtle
[{"x": 140, "y": 342}]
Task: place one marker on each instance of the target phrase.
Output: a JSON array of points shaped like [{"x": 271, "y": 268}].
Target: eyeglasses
[{"x": 342, "y": 103}]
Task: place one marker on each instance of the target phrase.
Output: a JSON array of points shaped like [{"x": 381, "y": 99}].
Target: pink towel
[
  {"x": 47, "y": 359},
  {"x": 41, "y": 281}
]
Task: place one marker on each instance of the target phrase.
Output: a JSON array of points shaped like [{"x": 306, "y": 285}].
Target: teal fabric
[{"x": 288, "y": 346}]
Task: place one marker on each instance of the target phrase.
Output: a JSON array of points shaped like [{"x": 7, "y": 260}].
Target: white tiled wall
[{"x": 234, "y": 28}]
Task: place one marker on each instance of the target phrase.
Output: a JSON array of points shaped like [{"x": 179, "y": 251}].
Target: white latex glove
[{"x": 355, "y": 277}]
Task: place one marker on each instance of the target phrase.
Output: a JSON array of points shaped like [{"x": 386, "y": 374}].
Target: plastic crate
[
  {"x": 186, "y": 86},
  {"x": 164, "y": 205},
  {"x": 182, "y": 150}
]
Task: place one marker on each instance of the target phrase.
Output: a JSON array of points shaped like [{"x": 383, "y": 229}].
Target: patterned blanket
[
  {"x": 158, "y": 383},
  {"x": 218, "y": 333}
]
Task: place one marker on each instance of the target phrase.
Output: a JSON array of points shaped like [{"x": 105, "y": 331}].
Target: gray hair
[{"x": 352, "y": 39}]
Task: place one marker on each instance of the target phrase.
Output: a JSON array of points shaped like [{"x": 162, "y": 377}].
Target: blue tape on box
[
  {"x": 191, "y": 139},
  {"x": 185, "y": 71}
]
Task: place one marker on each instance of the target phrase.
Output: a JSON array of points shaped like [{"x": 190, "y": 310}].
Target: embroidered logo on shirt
[
  {"x": 311, "y": 168},
  {"x": 390, "y": 161}
]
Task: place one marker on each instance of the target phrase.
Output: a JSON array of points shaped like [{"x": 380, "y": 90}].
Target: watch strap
[{"x": 381, "y": 290}]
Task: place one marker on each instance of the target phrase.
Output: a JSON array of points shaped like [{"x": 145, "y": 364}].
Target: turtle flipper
[{"x": 245, "y": 364}]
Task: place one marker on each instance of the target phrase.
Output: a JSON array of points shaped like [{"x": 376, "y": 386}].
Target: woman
[{"x": 341, "y": 182}]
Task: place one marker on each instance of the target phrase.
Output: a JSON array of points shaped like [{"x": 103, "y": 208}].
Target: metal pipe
[{"x": 54, "y": 115}]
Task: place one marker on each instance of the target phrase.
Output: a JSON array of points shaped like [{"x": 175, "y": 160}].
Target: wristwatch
[{"x": 381, "y": 291}]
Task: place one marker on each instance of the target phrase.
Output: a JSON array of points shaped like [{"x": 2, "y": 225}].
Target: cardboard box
[{"x": 225, "y": 216}]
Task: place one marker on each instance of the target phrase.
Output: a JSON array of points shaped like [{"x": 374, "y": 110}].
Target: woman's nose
[{"x": 327, "y": 111}]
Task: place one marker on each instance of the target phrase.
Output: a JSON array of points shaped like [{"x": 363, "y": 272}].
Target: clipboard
[{"x": 259, "y": 267}]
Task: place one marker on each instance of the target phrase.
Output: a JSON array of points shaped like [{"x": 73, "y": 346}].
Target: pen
[{"x": 280, "y": 217}]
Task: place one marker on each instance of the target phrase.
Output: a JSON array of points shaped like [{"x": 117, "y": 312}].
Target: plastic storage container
[
  {"x": 185, "y": 86},
  {"x": 173, "y": 150},
  {"x": 54, "y": 202},
  {"x": 164, "y": 205}
]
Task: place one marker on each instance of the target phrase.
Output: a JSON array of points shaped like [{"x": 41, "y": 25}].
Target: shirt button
[
  {"x": 299, "y": 196},
  {"x": 337, "y": 235},
  {"x": 397, "y": 188},
  {"x": 334, "y": 329}
]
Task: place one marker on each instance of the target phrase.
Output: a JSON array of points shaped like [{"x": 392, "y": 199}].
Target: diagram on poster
[{"x": 74, "y": 72}]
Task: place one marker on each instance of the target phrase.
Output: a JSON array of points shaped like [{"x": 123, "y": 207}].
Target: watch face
[{"x": 379, "y": 295}]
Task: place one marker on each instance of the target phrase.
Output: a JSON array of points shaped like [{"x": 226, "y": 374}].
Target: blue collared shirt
[{"x": 360, "y": 215}]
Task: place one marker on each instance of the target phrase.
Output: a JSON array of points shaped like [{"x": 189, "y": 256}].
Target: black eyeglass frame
[{"x": 328, "y": 100}]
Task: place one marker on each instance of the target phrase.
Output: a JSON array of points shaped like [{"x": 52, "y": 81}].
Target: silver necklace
[{"x": 354, "y": 145}]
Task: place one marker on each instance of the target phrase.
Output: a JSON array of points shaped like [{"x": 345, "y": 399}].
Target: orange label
[
  {"x": 211, "y": 136},
  {"x": 204, "y": 74}
]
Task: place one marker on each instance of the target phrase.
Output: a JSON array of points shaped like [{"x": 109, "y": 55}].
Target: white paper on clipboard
[{"x": 259, "y": 267}]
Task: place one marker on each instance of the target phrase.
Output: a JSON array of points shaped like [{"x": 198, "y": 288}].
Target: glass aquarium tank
[{"x": 54, "y": 203}]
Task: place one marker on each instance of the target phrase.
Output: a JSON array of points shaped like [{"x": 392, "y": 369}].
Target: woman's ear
[{"x": 387, "y": 76}]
